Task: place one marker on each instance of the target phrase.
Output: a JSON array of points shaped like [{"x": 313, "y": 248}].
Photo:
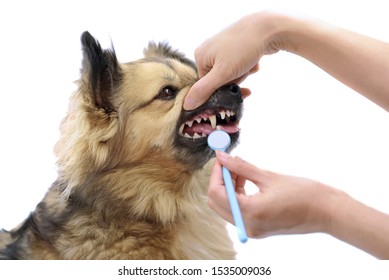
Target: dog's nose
[
  {"x": 233, "y": 89},
  {"x": 230, "y": 94}
]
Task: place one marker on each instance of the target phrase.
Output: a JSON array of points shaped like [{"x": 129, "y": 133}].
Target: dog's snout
[
  {"x": 233, "y": 89},
  {"x": 230, "y": 93}
]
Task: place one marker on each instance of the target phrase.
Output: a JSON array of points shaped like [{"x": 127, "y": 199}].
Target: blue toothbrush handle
[{"x": 237, "y": 216}]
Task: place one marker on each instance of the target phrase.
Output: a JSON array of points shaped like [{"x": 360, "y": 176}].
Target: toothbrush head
[{"x": 219, "y": 140}]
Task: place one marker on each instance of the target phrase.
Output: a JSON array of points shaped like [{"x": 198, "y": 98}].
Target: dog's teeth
[
  {"x": 228, "y": 113},
  {"x": 233, "y": 113},
  {"x": 196, "y": 136},
  {"x": 203, "y": 135},
  {"x": 212, "y": 119},
  {"x": 189, "y": 123},
  {"x": 222, "y": 114},
  {"x": 187, "y": 135},
  {"x": 181, "y": 129},
  {"x": 198, "y": 120}
]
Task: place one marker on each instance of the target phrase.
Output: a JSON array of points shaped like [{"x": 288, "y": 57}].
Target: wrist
[
  {"x": 326, "y": 208},
  {"x": 287, "y": 31},
  {"x": 359, "y": 225}
]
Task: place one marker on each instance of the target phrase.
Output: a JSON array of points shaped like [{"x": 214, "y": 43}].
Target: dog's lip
[{"x": 196, "y": 126}]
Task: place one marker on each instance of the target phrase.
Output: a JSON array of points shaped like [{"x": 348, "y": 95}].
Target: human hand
[
  {"x": 282, "y": 205},
  {"x": 231, "y": 55}
]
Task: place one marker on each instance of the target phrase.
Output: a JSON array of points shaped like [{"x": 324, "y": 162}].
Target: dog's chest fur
[{"x": 70, "y": 229}]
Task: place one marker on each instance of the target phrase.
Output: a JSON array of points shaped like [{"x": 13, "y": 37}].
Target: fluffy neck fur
[{"x": 150, "y": 191}]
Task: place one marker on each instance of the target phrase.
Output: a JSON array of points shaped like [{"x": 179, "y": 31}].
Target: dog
[{"x": 133, "y": 166}]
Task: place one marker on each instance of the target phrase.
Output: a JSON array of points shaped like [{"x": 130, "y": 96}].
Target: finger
[
  {"x": 222, "y": 211},
  {"x": 242, "y": 168},
  {"x": 245, "y": 92},
  {"x": 203, "y": 89},
  {"x": 240, "y": 183},
  {"x": 255, "y": 69},
  {"x": 217, "y": 196},
  {"x": 216, "y": 178}
]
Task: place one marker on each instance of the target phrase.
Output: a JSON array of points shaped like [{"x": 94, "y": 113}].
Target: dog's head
[{"x": 124, "y": 114}]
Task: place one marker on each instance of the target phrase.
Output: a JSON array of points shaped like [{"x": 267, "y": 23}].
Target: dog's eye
[{"x": 167, "y": 93}]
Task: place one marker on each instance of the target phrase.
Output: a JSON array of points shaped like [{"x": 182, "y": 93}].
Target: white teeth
[
  {"x": 196, "y": 136},
  {"x": 181, "y": 129},
  {"x": 212, "y": 119},
  {"x": 189, "y": 123}
]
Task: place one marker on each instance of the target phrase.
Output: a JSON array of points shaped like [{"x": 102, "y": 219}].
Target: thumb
[{"x": 203, "y": 89}]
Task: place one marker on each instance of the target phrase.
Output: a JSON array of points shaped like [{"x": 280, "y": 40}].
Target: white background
[{"x": 298, "y": 121}]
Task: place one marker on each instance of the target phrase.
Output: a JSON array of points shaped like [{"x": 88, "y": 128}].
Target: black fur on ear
[
  {"x": 163, "y": 49},
  {"x": 102, "y": 71}
]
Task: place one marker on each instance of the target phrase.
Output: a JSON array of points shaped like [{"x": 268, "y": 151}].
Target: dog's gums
[{"x": 203, "y": 124}]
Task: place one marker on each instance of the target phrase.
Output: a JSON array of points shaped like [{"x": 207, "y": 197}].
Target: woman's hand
[{"x": 283, "y": 204}]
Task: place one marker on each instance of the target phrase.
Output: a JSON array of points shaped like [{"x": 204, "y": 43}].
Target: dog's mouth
[
  {"x": 222, "y": 111},
  {"x": 199, "y": 126}
]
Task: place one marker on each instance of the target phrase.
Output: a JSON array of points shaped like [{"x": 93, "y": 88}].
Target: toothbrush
[{"x": 220, "y": 140}]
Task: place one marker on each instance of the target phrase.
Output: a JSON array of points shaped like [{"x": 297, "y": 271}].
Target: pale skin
[{"x": 287, "y": 204}]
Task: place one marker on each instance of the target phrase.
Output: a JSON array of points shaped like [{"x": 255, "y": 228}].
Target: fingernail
[{"x": 189, "y": 103}]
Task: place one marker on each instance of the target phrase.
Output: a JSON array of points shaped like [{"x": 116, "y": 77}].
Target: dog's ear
[
  {"x": 163, "y": 49},
  {"x": 100, "y": 72}
]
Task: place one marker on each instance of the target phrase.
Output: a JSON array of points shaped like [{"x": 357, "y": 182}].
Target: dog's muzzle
[{"x": 221, "y": 111}]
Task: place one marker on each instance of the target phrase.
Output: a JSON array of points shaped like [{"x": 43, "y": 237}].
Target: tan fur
[{"x": 121, "y": 192}]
